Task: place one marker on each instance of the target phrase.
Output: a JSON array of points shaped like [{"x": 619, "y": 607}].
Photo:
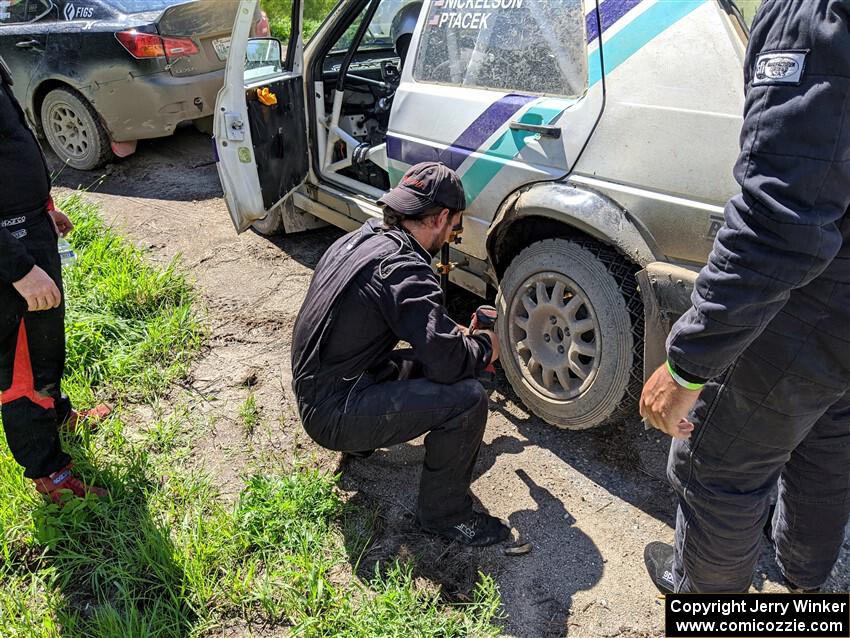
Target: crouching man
[{"x": 372, "y": 289}]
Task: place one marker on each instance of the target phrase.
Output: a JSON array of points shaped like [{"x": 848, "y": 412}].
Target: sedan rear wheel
[{"x": 74, "y": 131}]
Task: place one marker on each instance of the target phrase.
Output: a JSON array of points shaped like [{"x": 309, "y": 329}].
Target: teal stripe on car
[
  {"x": 508, "y": 145},
  {"x": 638, "y": 33},
  {"x": 618, "y": 48}
]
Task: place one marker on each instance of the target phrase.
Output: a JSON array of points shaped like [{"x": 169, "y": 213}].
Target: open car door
[{"x": 260, "y": 120}]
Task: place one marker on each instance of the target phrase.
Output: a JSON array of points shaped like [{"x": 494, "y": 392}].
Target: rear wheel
[
  {"x": 74, "y": 131},
  {"x": 571, "y": 323}
]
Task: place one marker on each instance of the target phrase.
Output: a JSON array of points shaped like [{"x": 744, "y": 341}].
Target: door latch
[
  {"x": 235, "y": 127},
  {"x": 543, "y": 130}
]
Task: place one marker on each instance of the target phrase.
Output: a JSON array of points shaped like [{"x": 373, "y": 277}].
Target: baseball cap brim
[{"x": 407, "y": 202}]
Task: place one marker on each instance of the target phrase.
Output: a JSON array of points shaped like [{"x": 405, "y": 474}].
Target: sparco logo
[
  {"x": 14, "y": 221},
  {"x": 776, "y": 68}
]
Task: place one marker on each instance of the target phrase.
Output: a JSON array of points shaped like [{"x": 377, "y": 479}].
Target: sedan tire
[{"x": 73, "y": 130}]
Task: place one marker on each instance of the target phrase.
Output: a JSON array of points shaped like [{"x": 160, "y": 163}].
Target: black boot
[
  {"x": 479, "y": 530},
  {"x": 659, "y": 563}
]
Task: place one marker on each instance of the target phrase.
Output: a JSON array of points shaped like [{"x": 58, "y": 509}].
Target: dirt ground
[{"x": 588, "y": 501}]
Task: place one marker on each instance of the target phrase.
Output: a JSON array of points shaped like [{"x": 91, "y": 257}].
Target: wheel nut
[
  {"x": 553, "y": 320},
  {"x": 547, "y": 338},
  {"x": 560, "y": 349}
]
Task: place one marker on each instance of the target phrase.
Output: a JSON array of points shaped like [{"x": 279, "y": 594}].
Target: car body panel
[
  {"x": 135, "y": 98},
  {"x": 673, "y": 116}
]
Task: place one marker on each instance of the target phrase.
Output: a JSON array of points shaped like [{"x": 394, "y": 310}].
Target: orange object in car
[{"x": 265, "y": 96}]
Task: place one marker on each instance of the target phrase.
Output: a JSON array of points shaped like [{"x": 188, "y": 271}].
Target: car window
[
  {"x": 377, "y": 36},
  {"x": 18, "y": 11},
  {"x": 748, "y": 9},
  {"x": 534, "y": 46}
]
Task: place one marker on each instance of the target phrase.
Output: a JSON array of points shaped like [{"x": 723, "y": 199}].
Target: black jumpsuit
[
  {"x": 32, "y": 344},
  {"x": 770, "y": 322},
  {"x": 372, "y": 289}
]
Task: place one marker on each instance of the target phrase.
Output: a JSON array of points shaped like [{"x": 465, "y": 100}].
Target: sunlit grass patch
[{"x": 130, "y": 324}]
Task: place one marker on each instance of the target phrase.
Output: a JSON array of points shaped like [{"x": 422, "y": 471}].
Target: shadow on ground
[
  {"x": 182, "y": 166},
  {"x": 113, "y": 563},
  {"x": 563, "y": 562},
  {"x": 623, "y": 458}
]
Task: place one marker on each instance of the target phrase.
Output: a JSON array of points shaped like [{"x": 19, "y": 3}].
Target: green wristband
[{"x": 682, "y": 382}]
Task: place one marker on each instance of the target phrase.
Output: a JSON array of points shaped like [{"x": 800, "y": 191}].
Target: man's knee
[{"x": 474, "y": 398}]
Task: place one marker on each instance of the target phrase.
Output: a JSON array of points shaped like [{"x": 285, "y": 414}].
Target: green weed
[
  {"x": 130, "y": 324},
  {"x": 249, "y": 413}
]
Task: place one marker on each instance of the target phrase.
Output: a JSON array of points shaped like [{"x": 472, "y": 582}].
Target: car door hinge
[{"x": 235, "y": 127}]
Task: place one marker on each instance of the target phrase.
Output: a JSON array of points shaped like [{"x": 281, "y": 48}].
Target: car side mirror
[
  {"x": 263, "y": 52},
  {"x": 263, "y": 59}
]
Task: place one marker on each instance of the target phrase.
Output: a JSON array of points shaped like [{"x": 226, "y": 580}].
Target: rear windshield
[{"x": 138, "y": 6}]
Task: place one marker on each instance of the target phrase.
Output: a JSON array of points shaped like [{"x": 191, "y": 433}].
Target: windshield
[{"x": 378, "y": 34}]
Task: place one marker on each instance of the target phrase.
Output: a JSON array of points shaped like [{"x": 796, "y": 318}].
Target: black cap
[{"x": 423, "y": 187}]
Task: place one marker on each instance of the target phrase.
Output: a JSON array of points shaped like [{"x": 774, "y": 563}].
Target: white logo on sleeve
[
  {"x": 780, "y": 67},
  {"x": 70, "y": 11}
]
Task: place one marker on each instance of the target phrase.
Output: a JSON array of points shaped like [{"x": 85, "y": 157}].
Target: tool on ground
[{"x": 484, "y": 318}]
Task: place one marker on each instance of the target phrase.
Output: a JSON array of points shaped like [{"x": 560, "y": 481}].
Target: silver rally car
[{"x": 595, "y": 140}]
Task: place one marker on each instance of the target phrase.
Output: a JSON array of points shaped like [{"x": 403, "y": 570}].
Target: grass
[
  {"x": 131, "y": 326},
  {"x": 249, "y": 414},
  {"x": 165, "y": 555}
]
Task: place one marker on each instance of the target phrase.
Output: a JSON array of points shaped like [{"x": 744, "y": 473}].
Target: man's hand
[
  {"x": 665, "y": 405},
  {"x": 494, "y": 342},
  {"x": 39, "y": 290},
  {"x": 61, "y": 222}
]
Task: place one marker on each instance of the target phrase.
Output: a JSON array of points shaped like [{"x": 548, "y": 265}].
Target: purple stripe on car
[
  {"x": 491, "y": 120},
  {"x": 411, "y": 152},
  {"x": 609, "y": 12},
  {"x": 484, "y": 126}
]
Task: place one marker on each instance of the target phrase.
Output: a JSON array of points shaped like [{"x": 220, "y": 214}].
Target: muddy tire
[
  {"x": 571, "y": 328},
  {"x": 271, "y": 224},
  {"x": 73, "y": 130}
]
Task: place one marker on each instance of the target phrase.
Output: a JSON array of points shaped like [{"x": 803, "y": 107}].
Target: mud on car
[
  {"x": 95, "y": 76},
  {"x": 595, "y": 141}
]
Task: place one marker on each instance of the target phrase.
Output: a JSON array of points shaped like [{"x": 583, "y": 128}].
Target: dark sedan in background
[{"x": 95, "y": 76}]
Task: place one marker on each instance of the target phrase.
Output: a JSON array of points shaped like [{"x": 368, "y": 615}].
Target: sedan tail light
[
  {"x": 261, "y": 27},
  {"x": 149, "y": 45}
]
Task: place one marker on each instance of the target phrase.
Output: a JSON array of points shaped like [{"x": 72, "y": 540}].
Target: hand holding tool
[{"x": 484, "y": 318}]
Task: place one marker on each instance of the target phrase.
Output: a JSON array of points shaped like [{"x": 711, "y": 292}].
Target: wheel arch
[
  {"x": 556, "y": 209},
  {"x": 46, "y": 86}
]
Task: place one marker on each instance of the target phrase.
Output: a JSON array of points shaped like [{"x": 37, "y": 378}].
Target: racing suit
[
  {"x": 373, "y": 288},
  {"x": 769, "y": 321},
  {"x": 32, "y": 344}
]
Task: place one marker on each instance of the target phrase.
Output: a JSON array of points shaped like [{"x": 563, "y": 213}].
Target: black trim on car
[{"x": 292, "y": 45}]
